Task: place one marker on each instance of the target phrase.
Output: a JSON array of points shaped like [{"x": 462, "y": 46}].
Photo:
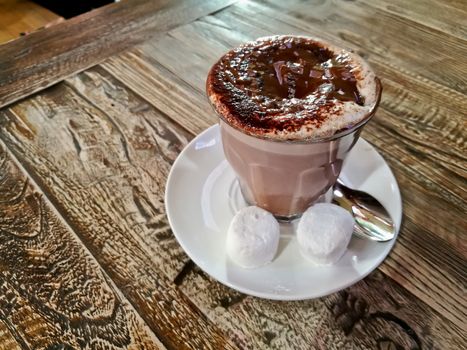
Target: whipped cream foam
[{"x": 292, "y": 88}]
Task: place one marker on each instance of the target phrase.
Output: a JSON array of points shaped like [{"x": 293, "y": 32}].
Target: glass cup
[{"x": 287, "y": 177}]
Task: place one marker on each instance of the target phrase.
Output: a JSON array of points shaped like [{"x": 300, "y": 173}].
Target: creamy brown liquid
[{"x": 284, "y": 178}]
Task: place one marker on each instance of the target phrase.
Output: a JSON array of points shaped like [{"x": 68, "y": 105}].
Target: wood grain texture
[
  {"x": 162, "y": 89},
  {"x": 53, "y": 294},
  {"x": 403, "y": 42},
  {"x": 373, "y": 314},
  {"x": 415, "y": 115},
  {"x": 435, "y": 14},
  {"x": 103, "y": 155},
  {"x": 101, "y": 144},
  {"x": 456, "y": 5},
  {"x": 19, "y": 17},
  {"x": 43, "y": 58}
]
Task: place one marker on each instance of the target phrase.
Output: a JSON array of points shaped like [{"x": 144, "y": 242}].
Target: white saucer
[{"x": 202, "y": 196}]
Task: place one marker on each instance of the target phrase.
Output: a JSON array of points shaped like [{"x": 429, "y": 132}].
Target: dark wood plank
[
  {"x": 7, "y": 339},
  {"x": 415, "y": 114},
  {"x": 52, "y": 291},
  {"x": 163, "y": 89},
  {"x": 43, "y": 58},
  {"x": 457, "y": 4},
  {"x": 373, "y": 314},
  {"x": 103, "y": 155},
  {"x": 435, "y": 14}
]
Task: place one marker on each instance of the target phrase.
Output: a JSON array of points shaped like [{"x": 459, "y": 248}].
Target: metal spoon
[{"x": 372, "y": 221}]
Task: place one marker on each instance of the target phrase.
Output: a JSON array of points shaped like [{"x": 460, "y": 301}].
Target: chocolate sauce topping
[{"x": 282, "y": 83}]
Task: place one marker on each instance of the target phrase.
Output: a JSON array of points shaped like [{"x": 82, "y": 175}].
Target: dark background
[{"x": 72, "y": 8}]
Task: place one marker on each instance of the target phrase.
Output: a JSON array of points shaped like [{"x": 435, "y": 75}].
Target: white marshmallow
[
  {"x": 324, "y": 232},
  {"x": 253, "y": 237}
]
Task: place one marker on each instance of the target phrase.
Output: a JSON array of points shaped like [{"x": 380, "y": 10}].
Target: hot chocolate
[{"x": 290, "y": 108}]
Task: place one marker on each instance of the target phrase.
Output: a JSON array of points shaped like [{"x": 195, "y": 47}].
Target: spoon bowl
[{"x": 372, "y": 221}]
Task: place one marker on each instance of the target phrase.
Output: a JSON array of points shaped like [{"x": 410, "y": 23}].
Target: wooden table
[{"x": 96, "y": 109}]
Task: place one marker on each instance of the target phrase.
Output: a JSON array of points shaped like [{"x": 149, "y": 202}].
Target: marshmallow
[
  {"x": 324, "y": 232},
  {"x": 253, "y": 237}
]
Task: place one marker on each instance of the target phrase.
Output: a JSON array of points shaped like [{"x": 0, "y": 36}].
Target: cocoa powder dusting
[{"x": 281, "y": 84}]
